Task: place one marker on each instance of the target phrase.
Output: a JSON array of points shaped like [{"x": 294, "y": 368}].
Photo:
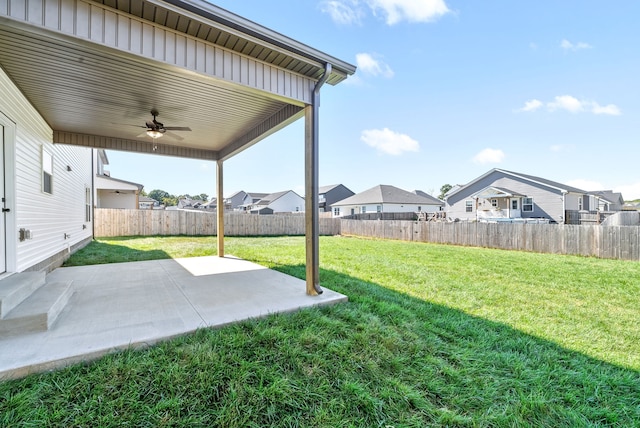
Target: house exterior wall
[
  {"x": 290, "y": 202},
  {"x": 108, "y": 199},
  {"x": 237, "y": 200},
  {"x": 57, "y": 220},
  {"x": 547, "y": 201},
  {"x": 334, "y": 195},
  {"x": 345, "y": 210}
]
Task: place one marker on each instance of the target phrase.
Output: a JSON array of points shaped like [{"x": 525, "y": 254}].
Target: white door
[
  {"x": 514, "y": 208},
  {"x": 3, "y": 214}
]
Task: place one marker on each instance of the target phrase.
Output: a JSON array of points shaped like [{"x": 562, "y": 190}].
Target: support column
[
  {"x": 312, "y": 203},
  {"x": 220, "y": 207}
]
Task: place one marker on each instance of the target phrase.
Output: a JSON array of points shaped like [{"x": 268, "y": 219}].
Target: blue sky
[{"x": 445, "y": 91}]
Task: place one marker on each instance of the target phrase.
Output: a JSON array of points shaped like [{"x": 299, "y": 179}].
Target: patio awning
[
  {"x": 95, "y": 69},
  {"x": 493, "y": 192}
]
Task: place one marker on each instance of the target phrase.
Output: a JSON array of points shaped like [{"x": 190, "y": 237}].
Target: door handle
[{"x": 6, "y": 210}]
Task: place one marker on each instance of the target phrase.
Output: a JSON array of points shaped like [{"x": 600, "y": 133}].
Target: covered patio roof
[{"x": 95, "y": 70}]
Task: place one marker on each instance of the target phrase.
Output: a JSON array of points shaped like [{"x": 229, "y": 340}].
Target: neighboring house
[
  {"x": 287, "y": 201},
  {"x": 250, "y": 199},
  {"x": 385, "y": 199},
  {"x": 609, "y": 200},
  {"x": 47, "y": 194},
  {"x": 212, "y": 205},
  {"x": 499, "y": 195},
  {"x": 329, "y": 195},
  {"x": 146, "y": 203},
  {"x": 190, "y": 204},
  {"x": 112, "y": 192},
  {"x": 236, "y": 201}
]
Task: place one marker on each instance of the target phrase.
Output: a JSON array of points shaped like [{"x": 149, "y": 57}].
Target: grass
[{"x": 432, "y": 336}]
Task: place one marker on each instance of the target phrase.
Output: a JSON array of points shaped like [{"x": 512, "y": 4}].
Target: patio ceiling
[{"x": 96, "y": 69}]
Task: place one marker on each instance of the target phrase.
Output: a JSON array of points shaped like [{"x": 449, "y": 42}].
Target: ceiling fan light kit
[
  {"x": 154, "y": 133},
  {"x": 157, "y": 129}
]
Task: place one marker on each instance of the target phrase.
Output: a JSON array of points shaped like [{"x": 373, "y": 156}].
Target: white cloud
[
  {"x": 393, "y": 11},
  {"x": 629, "y": 192},
  {"x": 572, "y": 105},
  {"x": 375, "y": 67},
  {"x": 409, "y": 10},
  {"x": 489, "y": 156},
  {"x": 588, "y": 185},
  {"x": 389, "y": 142},
  {"x": 343, "y": 12},
  {"x": 568, "y": 46},
  {"x": 531, "y": 105},
  {"x": 533, "y": 46},
  {"x": 610, "y": 109},
  {"x": 566, "y": 102}
]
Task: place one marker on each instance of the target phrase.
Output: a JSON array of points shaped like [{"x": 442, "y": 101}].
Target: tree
[
  {"x": 170, "y": 201},
  {"x": 443, "y": 190},
  {"x": 159, "y": 195}
]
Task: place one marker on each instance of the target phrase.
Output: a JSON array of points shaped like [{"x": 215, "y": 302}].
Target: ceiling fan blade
[
  {"x": 177, "y": 128},
  {"x": 173, "y": 135}
]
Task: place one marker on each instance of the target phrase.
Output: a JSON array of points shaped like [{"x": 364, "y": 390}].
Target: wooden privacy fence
[
  {"x": 610, "y": 242},
  {"x": 119, "y": 222}
]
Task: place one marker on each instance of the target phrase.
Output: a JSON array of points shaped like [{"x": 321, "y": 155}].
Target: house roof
[
  {"x": 107, "y": 182},
  {"x": 325, "y": 189},
  {"x": 386, "y": 194},
  {"x": 497, "y": 192},
  {"x": 609, "y": 196},
  {"x": 272, "y": 197},
  {"x": 532, "y": 178},
  {"x": 146, "y": 199},
  {"x": 231, "y": 81},
  {"x": 435, "y": 201}
]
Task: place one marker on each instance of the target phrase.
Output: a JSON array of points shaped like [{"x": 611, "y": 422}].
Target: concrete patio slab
[{"x": 123, "y": 305}]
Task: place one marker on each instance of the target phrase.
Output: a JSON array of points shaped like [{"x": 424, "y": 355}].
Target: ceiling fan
[{"x": 157, "y": 129}]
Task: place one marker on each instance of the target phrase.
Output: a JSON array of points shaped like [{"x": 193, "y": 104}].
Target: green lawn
[{"x": 432, "y": 336}]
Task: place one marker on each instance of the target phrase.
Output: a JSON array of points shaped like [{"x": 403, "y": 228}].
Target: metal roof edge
[{"x": 262, "y": 33}]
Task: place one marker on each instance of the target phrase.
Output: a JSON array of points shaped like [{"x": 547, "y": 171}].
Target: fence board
[
  {"x": 615, "y": 242},
  {"x": 118, "y": 222}
]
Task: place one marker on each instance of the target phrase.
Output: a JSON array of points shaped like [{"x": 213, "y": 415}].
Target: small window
[
  {"x": 468, "y": 206},
  {"x": 527, "y": 204},
  {"x": 514, "y": 204},
  {"x": 336, "y": 212},
  {"x": 419, "y": 209},
  {"x": 363, "y": 210},
  {"x": 494, "y": 203},
  {"x": 379, "y": 208},
  {"x": 47, "y": 172},
  {"x": 580, "y": 203},
  {"x": 87, "y": 204}
]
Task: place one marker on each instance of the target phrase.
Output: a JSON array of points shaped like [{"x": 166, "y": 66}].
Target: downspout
[
  {"x": 312, "y": 226},
  {"x": 93, "y": 193}
]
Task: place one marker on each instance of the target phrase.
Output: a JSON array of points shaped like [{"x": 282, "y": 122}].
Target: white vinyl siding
[
  {"x": 288, "y": 203},
  {"x": 49, "y": 217}
]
